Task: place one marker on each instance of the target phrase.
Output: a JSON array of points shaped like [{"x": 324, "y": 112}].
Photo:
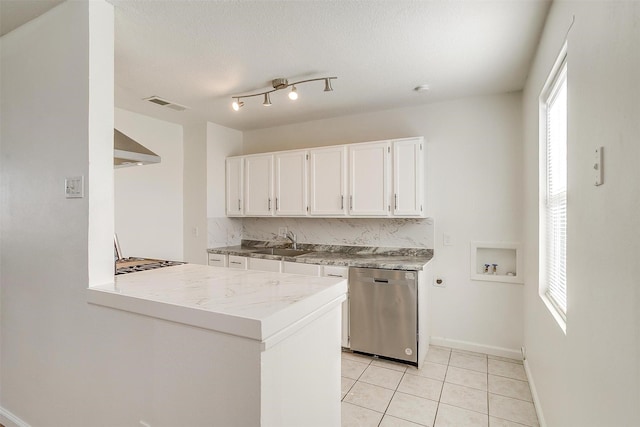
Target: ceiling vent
[{"x": 164, "y": 103}]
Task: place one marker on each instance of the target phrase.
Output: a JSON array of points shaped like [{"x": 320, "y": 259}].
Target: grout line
[
  {"x": 487, "y": 391},
  {"x": 511, "y": 397},
  {"x": 511, "y": 421}
]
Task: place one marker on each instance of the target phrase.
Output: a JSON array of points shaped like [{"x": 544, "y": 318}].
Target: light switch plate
[
  {"x": 597, "y": 167},
  {"x": 74, "y": 187}
]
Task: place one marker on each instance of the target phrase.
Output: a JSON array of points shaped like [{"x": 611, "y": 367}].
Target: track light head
[
  {"x": 237, "y": 104},
  {"x": 267, "y": 100},
  {"x": 327, "y": 85},
  {"x": 293, "y": 95}
]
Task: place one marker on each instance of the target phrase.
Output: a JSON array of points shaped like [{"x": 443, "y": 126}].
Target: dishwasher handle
[{"x": 380, "y": 280}]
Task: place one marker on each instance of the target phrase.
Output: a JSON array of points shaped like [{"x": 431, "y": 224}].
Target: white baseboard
[
  {"x": 478, "y": 348},
  {"x": 534, "y": 394},
  {"x": 10, "y": 420}
]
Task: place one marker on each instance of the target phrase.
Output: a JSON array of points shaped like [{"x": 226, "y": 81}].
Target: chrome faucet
[{"x": 292, "y": 236}]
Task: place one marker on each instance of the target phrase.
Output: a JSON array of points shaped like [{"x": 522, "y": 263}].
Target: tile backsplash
[{"x": 387, "y": 232}]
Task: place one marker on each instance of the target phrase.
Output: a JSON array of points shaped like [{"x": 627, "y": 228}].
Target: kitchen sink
[{"x": 282, "y": 252}]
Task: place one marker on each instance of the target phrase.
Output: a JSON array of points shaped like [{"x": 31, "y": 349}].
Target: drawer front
[
  {"x": 335, "y": 271},
  {"x": 217, "y": 260},
  {"x": 265, "y": 264},
  {"x": 238, "y": 262},
  {"x": 300, "y": 268}
]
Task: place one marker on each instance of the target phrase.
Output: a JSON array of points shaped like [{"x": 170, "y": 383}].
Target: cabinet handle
[
  {"x": 276, "y": 203},
  {"x": 269, "y": 209},
  {"x": 235, "y": 262},
  {"x": 238, "y": 205},
  {"x": 334, "y": 275},
  {"x": 396, "y": 201},
  {"x": 341, "y": 202},
  {"x": 351, "y": 202}
]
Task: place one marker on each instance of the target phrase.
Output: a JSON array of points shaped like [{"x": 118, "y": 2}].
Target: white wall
[
  {"x": 222, "y": 142},
  {"x": 66, "y": 362},
  {"x": 591, "y": 375},
  {"x": 473, "y": 180},
  {"x": 195, "y": 193},
  {"x": 56, "y": 118},
  {"x": 148, "y": 199}
]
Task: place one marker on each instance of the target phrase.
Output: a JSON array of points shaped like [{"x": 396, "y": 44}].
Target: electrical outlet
[
  {"x": 282, "y": 232},
  {"x": 439, "y": 282}
]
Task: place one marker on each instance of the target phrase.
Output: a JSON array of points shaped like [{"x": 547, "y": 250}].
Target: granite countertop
[
  {"x": 350, "y": 256},
  {"x": 251, "y": 304}
]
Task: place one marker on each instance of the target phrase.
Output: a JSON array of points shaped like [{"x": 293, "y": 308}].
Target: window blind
[{"x": 556, "y": 193}]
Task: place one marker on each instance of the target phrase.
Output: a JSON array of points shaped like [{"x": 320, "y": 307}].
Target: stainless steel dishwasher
[{"x": 383, "y": 313}]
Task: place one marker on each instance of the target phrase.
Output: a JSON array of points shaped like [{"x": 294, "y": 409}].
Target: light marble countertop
[
  {"x": 350, "y": 256},
  {"x": 250, "y": 304}
]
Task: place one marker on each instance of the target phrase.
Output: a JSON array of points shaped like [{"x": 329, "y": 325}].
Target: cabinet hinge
[{"x": 389, "y": 208}]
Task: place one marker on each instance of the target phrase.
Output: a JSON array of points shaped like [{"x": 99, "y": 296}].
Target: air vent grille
[{"x": 165, "y": 103}]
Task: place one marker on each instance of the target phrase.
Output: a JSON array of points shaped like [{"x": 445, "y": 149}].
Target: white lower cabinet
[
  {"x": 339, "y": 271},
  {"x": 246, "y": 263},
  {"x": 218, "y": 260},
  {"x": 324, "y": 271},
  {"x": 264, "y": 264},
  {"x": 237, "y": 262}
]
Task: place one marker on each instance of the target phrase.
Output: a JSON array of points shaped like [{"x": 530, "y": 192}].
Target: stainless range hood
[{"x": 127, "y": 152}]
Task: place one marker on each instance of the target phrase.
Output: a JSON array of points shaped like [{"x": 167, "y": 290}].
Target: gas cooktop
[{"x": 132, "y": 265}]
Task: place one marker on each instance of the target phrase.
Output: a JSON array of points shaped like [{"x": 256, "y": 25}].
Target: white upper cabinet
[
  {"x": 258, "y": 188},
  {"x": 328, "y": 181},
  {"x": 408, "y": 177},
  {"x": 234, "y": 194},
  {"x": 291, "y": 183},
  {"x": 369, "y": 179}
]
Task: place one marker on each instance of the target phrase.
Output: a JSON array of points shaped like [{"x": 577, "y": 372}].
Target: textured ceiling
[{"x": 200, "y": 53}]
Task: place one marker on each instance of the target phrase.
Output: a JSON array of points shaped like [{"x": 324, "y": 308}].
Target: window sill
[{"x": 554, "y": 312}]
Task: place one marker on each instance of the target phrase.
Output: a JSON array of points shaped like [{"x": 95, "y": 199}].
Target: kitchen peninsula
[{"x": 264, "y": 329}]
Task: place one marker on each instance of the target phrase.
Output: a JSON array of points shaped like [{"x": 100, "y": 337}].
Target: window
[{"x": 553, "y": 200}]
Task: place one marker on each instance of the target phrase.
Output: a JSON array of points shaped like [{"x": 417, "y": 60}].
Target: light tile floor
[{"x": 455, "y": 388}]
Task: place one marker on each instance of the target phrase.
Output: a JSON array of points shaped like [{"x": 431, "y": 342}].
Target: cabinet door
[
  {"x": 328, "y": 181},
  {"x": 369, "y": 179},
  {"x": 338, "y": 271},
  {"x": 408, "y": 177},
  {"x": 264, "y": 264},
  {"x": 234, "y": 186},
  {"x": 258, "y": 188},
  {"x": 291, "y": 183}
]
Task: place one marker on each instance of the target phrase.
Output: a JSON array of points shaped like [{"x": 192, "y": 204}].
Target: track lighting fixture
[{"x": 279, "y": 84}]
